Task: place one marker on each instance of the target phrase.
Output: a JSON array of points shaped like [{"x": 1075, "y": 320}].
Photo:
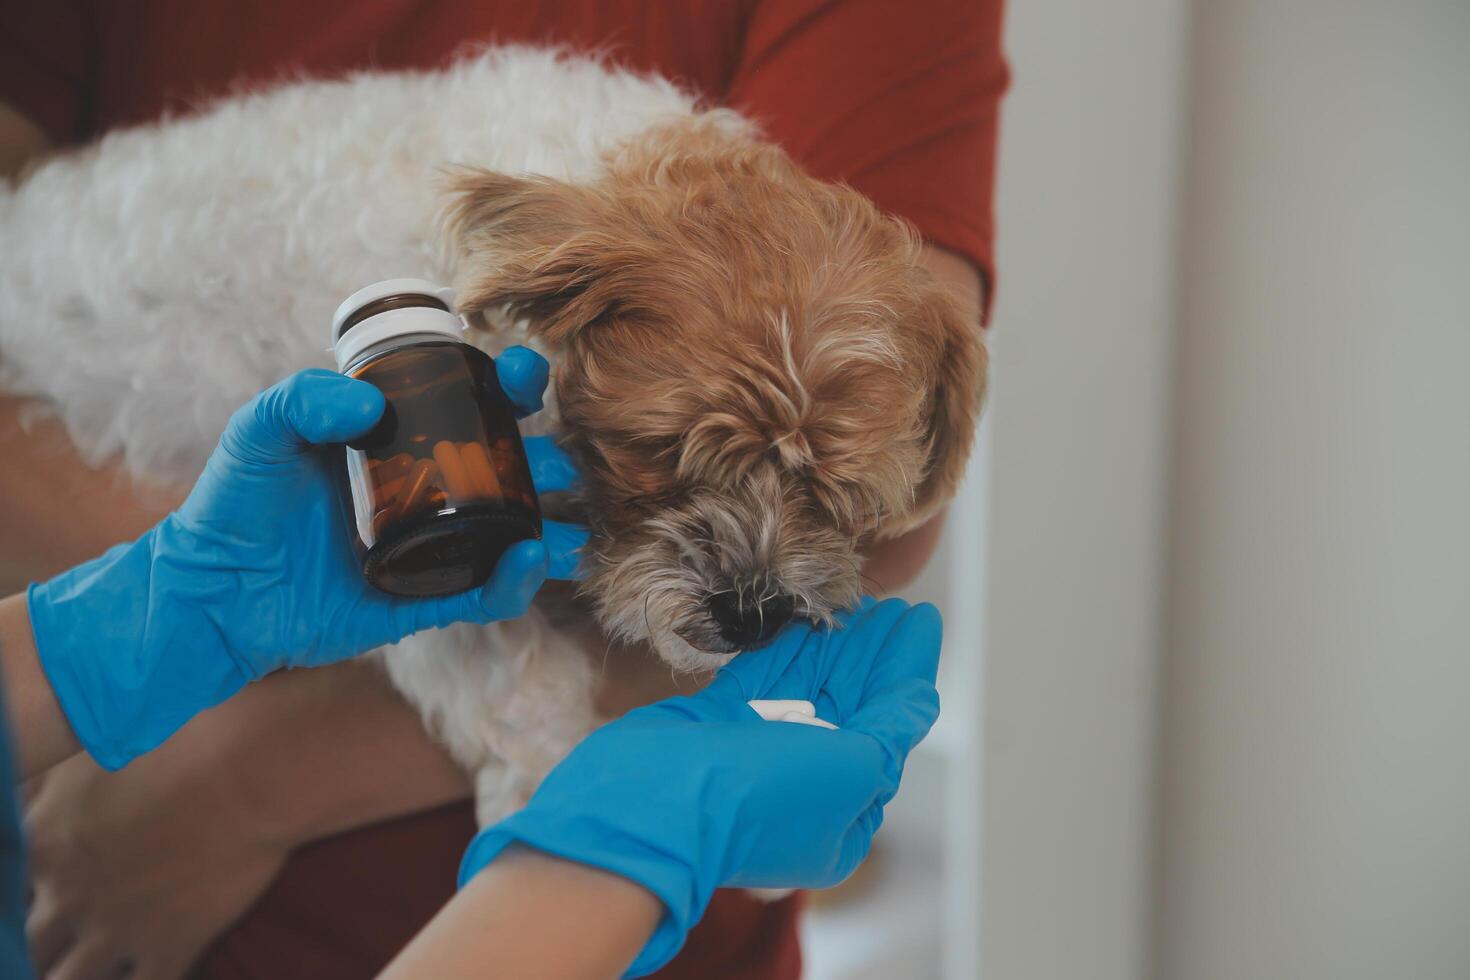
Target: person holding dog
[
  {"x": 336, "y": 818},
  {"x": 617, "y": 854}
]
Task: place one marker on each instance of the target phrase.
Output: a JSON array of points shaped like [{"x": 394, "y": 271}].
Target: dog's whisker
[{"x": 647, "y": 624}]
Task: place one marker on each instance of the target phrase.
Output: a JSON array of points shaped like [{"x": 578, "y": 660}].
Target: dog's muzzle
[{"x": 748, "y": 619}]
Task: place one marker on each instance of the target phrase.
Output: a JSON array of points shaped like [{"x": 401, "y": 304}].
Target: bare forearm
[
  {"x": 532, "y": 916},
  {"x": 318, "y": 752},
  {"x": 41, "y": 734}
]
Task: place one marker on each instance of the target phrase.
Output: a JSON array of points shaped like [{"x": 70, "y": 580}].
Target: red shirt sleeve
[
  {"x": 901, "y": 101},
  {"x": 46, "y": 64}
]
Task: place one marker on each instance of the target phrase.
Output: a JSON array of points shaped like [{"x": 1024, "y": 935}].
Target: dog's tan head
[{"x": 755, "y": 373}]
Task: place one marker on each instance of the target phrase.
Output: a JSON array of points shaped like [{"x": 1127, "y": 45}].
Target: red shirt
[{"x": 898, "y": 99}]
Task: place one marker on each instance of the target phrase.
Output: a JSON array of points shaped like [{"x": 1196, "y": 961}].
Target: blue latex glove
[
  {"x": 257, "y": 571},
  {"x": 695, "y": 793}
]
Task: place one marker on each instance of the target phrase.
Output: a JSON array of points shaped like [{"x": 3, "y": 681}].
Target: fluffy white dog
[{"x": 751, "y": 366}]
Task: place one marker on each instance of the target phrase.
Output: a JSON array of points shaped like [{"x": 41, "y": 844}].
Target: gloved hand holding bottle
[{"x": 256, "y": 571}]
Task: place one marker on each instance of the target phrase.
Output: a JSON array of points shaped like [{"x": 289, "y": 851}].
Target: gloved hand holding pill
[{"x": 695, "y": 793}]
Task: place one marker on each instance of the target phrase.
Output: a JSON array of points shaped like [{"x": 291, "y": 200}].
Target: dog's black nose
[{"x": 746, "y": 621}]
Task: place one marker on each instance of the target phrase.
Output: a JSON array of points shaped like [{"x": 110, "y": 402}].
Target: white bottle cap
[{"x": 400, "y": 321}]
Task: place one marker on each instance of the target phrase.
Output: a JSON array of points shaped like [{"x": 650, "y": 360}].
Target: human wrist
[
  {"x": 561, "y": 833},
  {"x": 640, "y": 902},
  {"x": 29, "y": 702},
  {"x": 534, "y": 915},
  {"x": 628, "y": 909},
  {"x": 633, "y": 916}
]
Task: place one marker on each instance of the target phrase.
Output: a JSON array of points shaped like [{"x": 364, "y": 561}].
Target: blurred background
[{"x": 1208, "y": 591}]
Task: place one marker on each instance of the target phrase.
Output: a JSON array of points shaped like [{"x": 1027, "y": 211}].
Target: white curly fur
[{"x": 153, "y": 282}]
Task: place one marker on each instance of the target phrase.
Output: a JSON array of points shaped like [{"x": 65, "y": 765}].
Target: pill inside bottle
[{"x": 440, "y": 487}]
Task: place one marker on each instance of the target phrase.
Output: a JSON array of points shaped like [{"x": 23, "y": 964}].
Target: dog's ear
[
  {"x": 954, "y": 405},
  {"x": 533, "y": 245}
]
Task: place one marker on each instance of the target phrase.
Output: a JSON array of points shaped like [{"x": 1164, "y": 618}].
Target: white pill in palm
[{"x": 775, "y": 710}]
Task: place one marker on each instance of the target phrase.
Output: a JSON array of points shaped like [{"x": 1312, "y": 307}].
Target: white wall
[
  {"x": 1317, "y": 744},
  {"x": 1081, "y": 351}
]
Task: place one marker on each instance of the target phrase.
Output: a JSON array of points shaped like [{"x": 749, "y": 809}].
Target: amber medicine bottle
[{"x": 440, "y": 488}]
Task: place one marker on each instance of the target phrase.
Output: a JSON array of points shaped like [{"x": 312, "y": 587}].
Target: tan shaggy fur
[{"x": 754, "y": 369}]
